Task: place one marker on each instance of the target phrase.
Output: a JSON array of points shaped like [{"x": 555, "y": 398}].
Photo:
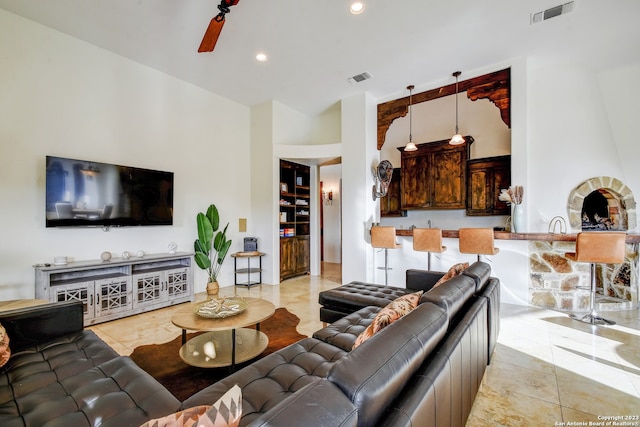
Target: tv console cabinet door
[
  {"x": 177, "y": 283},
  {"x": 113, "y": 296},
  {"x": 149, "y": 289},
  {"x": 79, "y": 291}
]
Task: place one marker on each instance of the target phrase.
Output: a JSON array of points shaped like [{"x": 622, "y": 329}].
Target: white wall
[
  {"x": 264, "y": 173},
  {"x": 64, "y": 97},
  {"x": 359, "y": 156}
]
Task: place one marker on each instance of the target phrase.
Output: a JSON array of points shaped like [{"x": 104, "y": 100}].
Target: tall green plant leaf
[
  {"x": 222, "y": 253},
  {"x": 205, "y": 230},
  {"x": 199, "y": 247},
  {"x": 214, "y": 217},
  {"x": 202, "y": 260}
]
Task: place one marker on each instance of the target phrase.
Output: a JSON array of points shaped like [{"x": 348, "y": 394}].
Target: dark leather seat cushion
[
  {"x": 343, "y": 332},
  {"x": 276, "y": 377},
  {"x": 34, "y": 367},
  {"x": 113, "y": 394},
  {"x": 356, "y": 295}
]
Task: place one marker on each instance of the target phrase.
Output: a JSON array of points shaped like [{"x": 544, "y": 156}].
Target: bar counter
[{"x": 505, "y": 235}]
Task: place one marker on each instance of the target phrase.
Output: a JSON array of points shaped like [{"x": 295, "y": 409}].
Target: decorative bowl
[{"x": 221, "y": 308}]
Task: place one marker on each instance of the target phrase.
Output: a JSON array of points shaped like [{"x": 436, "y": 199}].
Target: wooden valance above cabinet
[
  {"x": 435, "y": 176},
  {"x": 496, "y": 87}
]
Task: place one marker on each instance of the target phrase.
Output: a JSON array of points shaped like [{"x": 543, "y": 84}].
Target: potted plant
[{"x": 211, "y": 246}]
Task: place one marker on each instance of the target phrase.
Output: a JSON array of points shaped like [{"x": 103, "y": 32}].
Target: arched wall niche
[
  {"x": 610, "y": 186},
  {"x": 495, "y": 86}
]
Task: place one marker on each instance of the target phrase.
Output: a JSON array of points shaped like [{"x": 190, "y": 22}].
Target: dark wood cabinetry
[
  {"x": 486, "y": 177},
  {"x": 390, "y": 205},
  {"x": 434, "y": 176},
  {"x": 295, "y": 216}
]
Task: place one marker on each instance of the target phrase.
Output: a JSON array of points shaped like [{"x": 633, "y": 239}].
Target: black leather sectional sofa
[{"x": 423, "y": 369}]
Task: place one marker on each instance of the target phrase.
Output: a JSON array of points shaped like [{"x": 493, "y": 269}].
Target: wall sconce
[{"x": 327, "y": 197}]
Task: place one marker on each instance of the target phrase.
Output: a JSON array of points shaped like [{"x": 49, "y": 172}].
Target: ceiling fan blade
[{"x": 211, "y": 35}]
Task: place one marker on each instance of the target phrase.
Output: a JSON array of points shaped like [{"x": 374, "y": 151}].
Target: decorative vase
[
  {"x": 212, "y": 289},
  {"x": 517, "y": 219}
]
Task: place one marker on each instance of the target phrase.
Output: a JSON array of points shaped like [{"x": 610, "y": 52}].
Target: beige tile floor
[{"x": 547, "y": 370}]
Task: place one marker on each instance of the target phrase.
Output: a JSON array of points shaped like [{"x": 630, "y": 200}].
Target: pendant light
[
  {"x": 457, "y": 139},
  {"x": 410, "y": 145}
]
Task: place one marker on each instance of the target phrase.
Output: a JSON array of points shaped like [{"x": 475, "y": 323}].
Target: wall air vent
[
  {"x": 359, "y": 78},
  {"x": 551, "y": 12}
]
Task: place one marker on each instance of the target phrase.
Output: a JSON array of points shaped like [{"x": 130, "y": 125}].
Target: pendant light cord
[
  {"x": 410, "y": 113},
  {"x": 457, "y": 73}
]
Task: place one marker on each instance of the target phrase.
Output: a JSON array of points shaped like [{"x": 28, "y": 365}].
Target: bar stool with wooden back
[
  {"x": 428, "y": 240},
  {"x": 478, "y": 241},
  {"x": 597, "y": 247},
  {"x": 384, "y": 237}
]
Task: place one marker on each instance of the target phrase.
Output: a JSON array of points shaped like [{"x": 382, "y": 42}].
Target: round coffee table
[{"x": 227, "y": 341}]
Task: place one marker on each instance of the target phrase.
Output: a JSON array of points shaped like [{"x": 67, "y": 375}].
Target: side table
[{"x": 249, "y": 271}]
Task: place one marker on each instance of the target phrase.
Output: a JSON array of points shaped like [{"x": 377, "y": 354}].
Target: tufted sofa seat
[
  {"x": 60, "y": 374},
  {"x": 335, "y": 303}
]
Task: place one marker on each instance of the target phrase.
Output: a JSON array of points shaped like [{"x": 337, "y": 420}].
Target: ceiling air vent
[
  {"x": 359, "y": 78},
  {"x": 551, "y": 12}
]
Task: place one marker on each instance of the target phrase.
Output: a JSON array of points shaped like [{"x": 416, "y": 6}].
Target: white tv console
[{"x": 120, "y": 287}]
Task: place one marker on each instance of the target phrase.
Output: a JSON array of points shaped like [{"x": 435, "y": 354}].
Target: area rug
[{"x": 163, "y": 363}]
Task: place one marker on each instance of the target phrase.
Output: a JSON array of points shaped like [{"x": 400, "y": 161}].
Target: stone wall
[{"x": 560, "y": 284}]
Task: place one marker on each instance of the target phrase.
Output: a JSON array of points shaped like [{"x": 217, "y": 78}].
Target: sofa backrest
[
  {"x": 451, "y": 295},
  {"x": 31, "y": 326},
  {"x": 480, "y": 272},
  {"x": 374, "y": 373}
]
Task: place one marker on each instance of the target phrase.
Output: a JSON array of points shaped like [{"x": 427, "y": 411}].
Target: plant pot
[{"x": 212, "y": 289}]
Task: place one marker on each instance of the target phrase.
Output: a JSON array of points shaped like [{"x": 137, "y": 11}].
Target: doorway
[{"x": 331, "y": 221}]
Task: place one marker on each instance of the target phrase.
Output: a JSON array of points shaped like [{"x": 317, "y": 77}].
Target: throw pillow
[
  {"x": 5, "y": 350},
  {"x": 389, "y": 314},
  {"x": 226, "y": 412},
  {"x": 453, "y": 271}
]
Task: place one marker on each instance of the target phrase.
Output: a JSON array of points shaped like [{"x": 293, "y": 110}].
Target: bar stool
[
  {"x": 477, "y": 241},
  {"x": 428, "y": 240},
  {"x": 384, "y": 237},
  {"x": 597, "y": 247}
]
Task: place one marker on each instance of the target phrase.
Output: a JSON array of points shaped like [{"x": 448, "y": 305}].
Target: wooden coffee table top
[{"x": 257, "y": 311}]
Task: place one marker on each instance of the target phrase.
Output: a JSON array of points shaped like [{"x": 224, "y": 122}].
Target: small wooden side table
[{"x": 249, "y": 270}]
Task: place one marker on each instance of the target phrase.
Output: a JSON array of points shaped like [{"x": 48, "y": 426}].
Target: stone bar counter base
[{"x": 559, "y": 284}]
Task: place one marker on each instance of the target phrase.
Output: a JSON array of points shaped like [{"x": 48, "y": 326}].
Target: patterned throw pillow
[
  {"x": 226, "y": 412},
  {"x": 5, "y": 351},
  {"x": 389, "y": 314},
  {"x": 453, "y": 271}
]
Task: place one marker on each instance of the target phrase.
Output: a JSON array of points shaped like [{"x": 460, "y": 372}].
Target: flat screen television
[{"x": 82, "y": 193}]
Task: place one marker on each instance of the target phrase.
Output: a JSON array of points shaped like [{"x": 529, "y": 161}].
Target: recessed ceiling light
[
  {"x": 357, "y": 8},
  {"x": 262, "y": 57}
]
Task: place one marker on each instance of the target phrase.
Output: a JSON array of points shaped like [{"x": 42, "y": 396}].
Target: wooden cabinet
[
  {"x": 390, "y": 205},
  {"x": 120, "y": 287},
  {"x": 486, "y": 177},
  {"x": 294, "y": 256},
  {"x": 295, "y": 219},
  {"x": 434, "y": 176}
]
